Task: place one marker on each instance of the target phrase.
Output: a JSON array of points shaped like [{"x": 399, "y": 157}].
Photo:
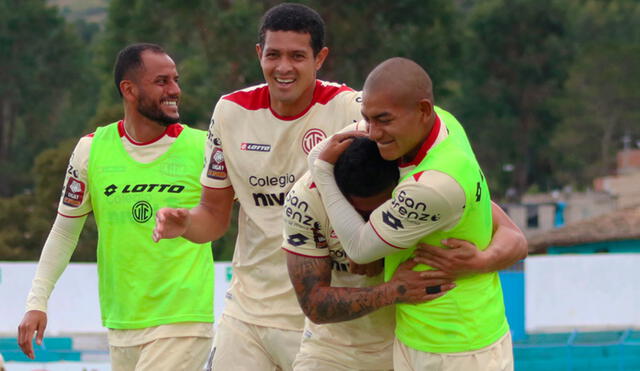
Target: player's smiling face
[
  {"x": 289, "y": 68},
  {"x": 397, "y": 128},
  {"x": 158, "y": 92}
]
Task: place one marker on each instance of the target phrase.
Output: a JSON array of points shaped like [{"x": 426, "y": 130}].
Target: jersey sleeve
[
  {"x": 214, "y": 174},
  {"x": 353, "y": 106},
  {"x": 75, "y": 200},
  {"x": 422, "y": 204},
  {"x": 304, "y": 231}
]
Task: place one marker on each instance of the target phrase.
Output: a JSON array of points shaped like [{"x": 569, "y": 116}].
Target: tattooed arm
[{"x": 321, "y": 303}]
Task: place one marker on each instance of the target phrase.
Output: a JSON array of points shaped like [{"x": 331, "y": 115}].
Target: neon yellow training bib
[
  {"x": 142, "y": 283},
  {"x": 472, "y": 315}
]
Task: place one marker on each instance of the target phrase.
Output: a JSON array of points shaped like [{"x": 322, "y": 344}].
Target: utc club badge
[
  {"x": 311, "y": 138},
  {"x": 141, "y": 211}
]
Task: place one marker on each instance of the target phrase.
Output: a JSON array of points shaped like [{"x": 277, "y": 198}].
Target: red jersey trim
[
  {"x": 303, "y": 255},
  {"x": 71, "y": 216},
  {"x": 89, "y": 135},
  {"x": 172, "y": 130},
  {"x": 426, "y": 145},
  {"x": 259, "y": 98},
  {"x": 416, "y": 176},
  {"x": 217, "y": 188},
  {"x": 383, "y": 240}
]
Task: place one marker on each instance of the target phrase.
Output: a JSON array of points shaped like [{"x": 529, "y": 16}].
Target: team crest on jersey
[
  {"x": 311, "y": 138},
  {"x": 255, "y": 147},
  {"x": 141, "y": 211},
  {"x": 74, "y": 192},
  {"x": 217, "y": 168}
]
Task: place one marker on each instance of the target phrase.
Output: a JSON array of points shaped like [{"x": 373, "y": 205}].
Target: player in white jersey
[
  {"x": 148, "y": 137},
  {"x": 258, "y": 141}
]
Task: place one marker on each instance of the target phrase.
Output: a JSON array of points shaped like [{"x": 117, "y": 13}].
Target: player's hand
[
  {"x": 370, "y": 270},
  {"x": 458, "y": 257},
  {"x": 34, "y": 321},
  {"x": 417, "y": 287},
  {"x": 337, "y": 144},
  {"x": 171, "y": 223}
]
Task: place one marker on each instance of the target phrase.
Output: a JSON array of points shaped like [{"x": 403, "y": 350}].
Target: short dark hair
[
  {"x": 294, "y": 17},
  {"x": 129, "y": 59},
  {"x": 362, "y": 172}
]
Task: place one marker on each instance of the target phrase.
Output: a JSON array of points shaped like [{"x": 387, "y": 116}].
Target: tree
[
  {"x": 516, "y": 57},
  {"x": 599, "y": 102},
  {"x": 46, "y": 92},
  {"x": 25, "y": 220}
]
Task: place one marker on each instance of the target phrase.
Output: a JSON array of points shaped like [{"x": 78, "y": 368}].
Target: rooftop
[{"x": 619, "y": 225}]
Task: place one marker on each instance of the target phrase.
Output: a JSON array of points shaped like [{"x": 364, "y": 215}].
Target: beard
[{"x": 152, "y": 111}]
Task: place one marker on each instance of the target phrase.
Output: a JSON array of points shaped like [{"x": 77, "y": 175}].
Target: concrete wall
[{"x": 582, "y": 292}]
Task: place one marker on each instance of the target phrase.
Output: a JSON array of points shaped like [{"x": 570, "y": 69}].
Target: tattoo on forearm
[{"x": 311, "y": 278}]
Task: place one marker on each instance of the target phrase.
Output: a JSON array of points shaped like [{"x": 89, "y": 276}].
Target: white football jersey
[
  {"x": 261, "y": 155},
  {"x": 363, "y": 343}
]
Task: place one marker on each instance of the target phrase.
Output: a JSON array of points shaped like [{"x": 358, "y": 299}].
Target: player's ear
[
  {"x": 320, "y": 57},
  {"x": 259, "y": 51},
  {"x": 426, "y": 107},
  {"x": 128, "y": 89}
]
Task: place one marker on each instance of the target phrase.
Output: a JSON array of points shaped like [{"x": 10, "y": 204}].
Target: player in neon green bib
[
  {"x": 442, "y": 194},
  {"x": 143, "y": 284},
  {"x": 153, "y": 297}
]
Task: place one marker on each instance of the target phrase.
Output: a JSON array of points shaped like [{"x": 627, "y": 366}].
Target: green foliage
[
  {"x": 47, "y": 88},
  {"x": 514, "y": 66},
  {"x": 598, "y": 105},
  {"x": 25, "y": 220},
  {"x": 362, "y": 34}
]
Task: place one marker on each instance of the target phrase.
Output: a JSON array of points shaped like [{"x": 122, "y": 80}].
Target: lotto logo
[{"x": 255, "y": 147}]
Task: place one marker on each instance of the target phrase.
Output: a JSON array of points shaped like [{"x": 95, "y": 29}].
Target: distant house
[
  {"x": 624, "y": 184},
  {"x": 614, "y": 232},
  {"x": 539, "y": 213}
]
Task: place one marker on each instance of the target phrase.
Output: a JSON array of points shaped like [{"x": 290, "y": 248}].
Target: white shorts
[
  {"x": 320, "y": 355},
  {"x": 495, "y": 357},
  {"x": 187, "y": 353},
  {"x": 242, "y": 346}
]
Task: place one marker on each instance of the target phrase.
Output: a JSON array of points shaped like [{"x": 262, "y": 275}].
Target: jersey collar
[{"x": 426, "y": 145}]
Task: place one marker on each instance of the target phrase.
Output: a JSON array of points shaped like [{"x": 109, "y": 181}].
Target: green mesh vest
[
  {"x": 471, "y": 316},
  {"x": 142, "y": 283}
]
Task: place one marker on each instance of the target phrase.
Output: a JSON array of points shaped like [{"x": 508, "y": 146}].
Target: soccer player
[
  {"x": 442, "y": 194},
  {"x": 258, "y": 141},
  {"x": 156, "y": 301}
]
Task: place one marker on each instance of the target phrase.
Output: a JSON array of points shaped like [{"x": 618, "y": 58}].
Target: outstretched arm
[
  {"x": 459, "y": 257},
  {"x": 206, "y": 222},
  {"x": 56, "y": 253},
  {"x": 321, "y": 303}
]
